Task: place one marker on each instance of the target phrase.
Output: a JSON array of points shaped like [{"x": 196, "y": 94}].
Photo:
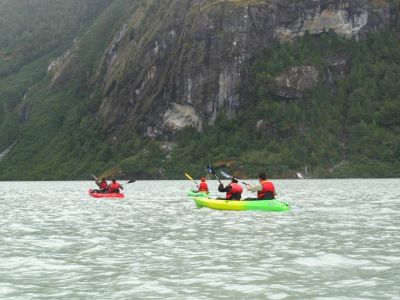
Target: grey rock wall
[{"x": 191, "y": 54}]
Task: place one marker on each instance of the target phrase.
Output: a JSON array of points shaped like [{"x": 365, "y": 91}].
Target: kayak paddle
[
  {"x": 226, "y": 175},
  {"x": 130, "y": 181},
  {"x": 211, "y": 170},
  {"x": 190, "y": 178},
  {"x": 110, "y": 173}
]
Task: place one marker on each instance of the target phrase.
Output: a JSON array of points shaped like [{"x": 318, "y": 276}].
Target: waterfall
[{"x": 5, "y": 152}]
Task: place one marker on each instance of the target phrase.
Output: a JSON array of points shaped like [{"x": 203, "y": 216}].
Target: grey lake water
[{"x": 340, "y": 241}]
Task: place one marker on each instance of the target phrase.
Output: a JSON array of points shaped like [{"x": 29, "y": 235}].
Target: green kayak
[
  {"x": 197, "y": 194},
  {"x": 263, "y": 205}
]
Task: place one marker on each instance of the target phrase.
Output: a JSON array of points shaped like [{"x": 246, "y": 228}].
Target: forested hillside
[
  {"x": 32, "y": 33},
  {"x": 152, "y": 89},
  {"x": 349, "y": 127}
]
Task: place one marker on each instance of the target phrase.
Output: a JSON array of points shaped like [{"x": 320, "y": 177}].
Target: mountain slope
[
  {"x": 154, "y": 87},
  {"x": 32, "y": 33}
]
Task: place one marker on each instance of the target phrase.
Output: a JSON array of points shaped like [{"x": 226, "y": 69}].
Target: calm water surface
[{"x": 340, "y": 241}]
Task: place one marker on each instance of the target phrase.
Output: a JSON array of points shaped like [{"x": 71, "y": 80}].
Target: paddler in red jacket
[
  {"x": 265, "y": 189},
  {"x": 114, "y": 186},
  {"x": 233, "y": 190},
  {"x": 203, "y": 186},
  {"x": 103, "y": 185}
]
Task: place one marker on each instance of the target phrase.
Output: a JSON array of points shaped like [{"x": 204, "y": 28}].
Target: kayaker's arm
[
  {"x": 96, "y": 180},
  {"x": 254, "y": 188},
  {"x": 223, "y": 189}
]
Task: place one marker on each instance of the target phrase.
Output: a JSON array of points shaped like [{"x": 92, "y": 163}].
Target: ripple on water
[
  {"x": 334, "y": 244},
  {"x": 333, "y": 260}
]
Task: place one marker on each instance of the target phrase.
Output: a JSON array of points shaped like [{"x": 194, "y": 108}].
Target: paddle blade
[
  {"x": 226, "y": 175},
  {"x": 189, "y": 177},
  {"x": 210, "y": 169},
  {"x": 132, "y": 180}
]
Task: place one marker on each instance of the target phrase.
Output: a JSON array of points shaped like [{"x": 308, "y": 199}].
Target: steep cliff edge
[
  {"x": 193, "y": 53},
  {"x": 155, "y": 87}
]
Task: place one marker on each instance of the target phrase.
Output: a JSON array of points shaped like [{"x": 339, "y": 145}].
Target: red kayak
[{"x": 105, "y": 195}]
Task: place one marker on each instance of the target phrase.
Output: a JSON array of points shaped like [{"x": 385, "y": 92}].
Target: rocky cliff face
[{"x": 178, "y": 63}]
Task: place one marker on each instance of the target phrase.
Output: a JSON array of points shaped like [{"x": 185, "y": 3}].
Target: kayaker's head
[
  {"x": 234, "y": 180},
  {"x": 103, "y": 179},
  {"x": 114, "y": 180},
  {"x": 203, "y": 179},
  {"x": 262, "y": 177}
]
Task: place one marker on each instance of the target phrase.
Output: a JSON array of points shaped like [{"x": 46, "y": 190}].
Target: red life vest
[
  {"x": 114, "y": 187},
  {"x": 268, "y": 189},
  {"x": 203, "y": 187},
  {"x": 235, "y": 189},
  {"x": 103, "y": 185}
]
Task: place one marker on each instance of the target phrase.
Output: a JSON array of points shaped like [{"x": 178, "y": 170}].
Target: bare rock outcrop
[
  {"x": 295, "y": 82},
  {"x": 193, "y": 53}
]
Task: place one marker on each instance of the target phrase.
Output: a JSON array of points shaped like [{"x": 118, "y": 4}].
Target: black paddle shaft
[
  {"x": 211, "y": 170},
  {"x": 226, "y": 175}
]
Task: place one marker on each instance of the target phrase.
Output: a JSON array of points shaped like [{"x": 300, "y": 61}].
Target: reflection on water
[{"x": 340, "y": 241}]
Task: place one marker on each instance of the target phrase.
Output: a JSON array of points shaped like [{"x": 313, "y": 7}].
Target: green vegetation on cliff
[
  {"x": 350, "y": 128},
  {"x": 60, "y": 138},
  {"x": 347, "y": 125},
  {"x": 32, "y": 34}
]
